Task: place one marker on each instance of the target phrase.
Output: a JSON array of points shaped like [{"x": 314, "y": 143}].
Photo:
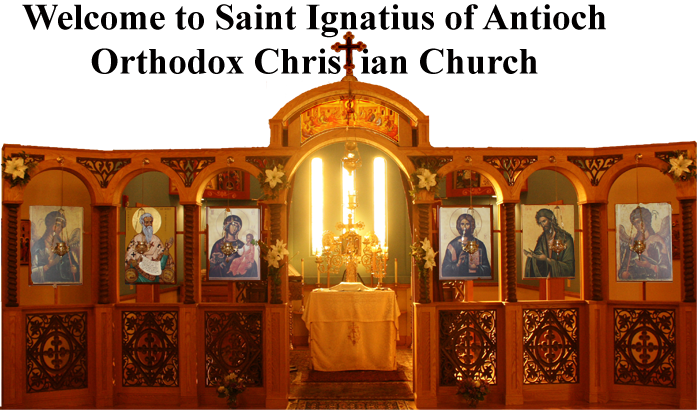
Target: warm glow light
[
  {"x": 380, "y": 199},
  {"x": 348, "y": 185},
  {"x": 316, "y": 203}
]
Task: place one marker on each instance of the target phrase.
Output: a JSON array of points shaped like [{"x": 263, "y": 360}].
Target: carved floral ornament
[
  {"x": 16, "y": 167},
  {"x": 681, "y": 165}
]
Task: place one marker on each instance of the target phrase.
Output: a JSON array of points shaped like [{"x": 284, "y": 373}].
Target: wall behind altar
[
  {"x": 300, "y": 210},
  {"x": 45, "y": 189},
  {"x": 653, "y": 187}
]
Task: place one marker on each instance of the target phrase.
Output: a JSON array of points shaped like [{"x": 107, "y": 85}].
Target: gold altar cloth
[{"x": 352, "y": 330}]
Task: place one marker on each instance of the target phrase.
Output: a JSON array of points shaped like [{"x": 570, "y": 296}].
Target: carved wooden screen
[
  {"x": 56, "y": 352},
  {"x": 467, "y": 345},
  {"x": 550, "y": 346},
  {"x": 150, "y": 349},
  {"x": 645, "y": 347},
  {"x": 233, "y": 342}
]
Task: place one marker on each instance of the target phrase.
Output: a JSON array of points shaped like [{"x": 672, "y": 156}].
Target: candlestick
[{"x": 396, "y": 271}]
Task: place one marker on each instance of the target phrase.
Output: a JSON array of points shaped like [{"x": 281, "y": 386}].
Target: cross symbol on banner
[{"x": 349, "y": 47}]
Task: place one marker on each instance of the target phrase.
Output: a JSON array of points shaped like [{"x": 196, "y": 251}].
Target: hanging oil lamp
[
  {"x": 470, "y": 246},
  {"x": 228, "y": 248},
  {"x": 142, "y": 246},
  {"x": 557, "y": 245},
  {"x": 639, "y": 245},
  {"x": 61, "y": 247}
]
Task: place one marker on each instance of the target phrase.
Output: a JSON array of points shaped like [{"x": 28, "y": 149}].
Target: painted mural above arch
[{"x": 364, "y": 114}]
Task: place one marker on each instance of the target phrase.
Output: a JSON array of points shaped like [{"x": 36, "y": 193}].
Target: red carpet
[{"x": 355, "y": 376}]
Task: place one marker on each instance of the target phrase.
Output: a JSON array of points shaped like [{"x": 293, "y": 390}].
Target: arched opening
[
  {"x": 656, "y": 192},
  {"x": 551, "y": 195},
  {"x": 304, "y": 384},
  {"x": 45, "y": 194}
]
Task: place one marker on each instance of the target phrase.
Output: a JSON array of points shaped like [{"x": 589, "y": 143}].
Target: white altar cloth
[{"x": 352, "y": 330}]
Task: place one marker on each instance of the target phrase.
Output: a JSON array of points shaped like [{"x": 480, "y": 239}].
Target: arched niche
[
  {"x": 547, "y": 186},
  {"x": 55, "y": 187},
  {"x": 653, "y": 187},
  {"x": 398, "y": 227},
  {"x": 149, "y": 188}
]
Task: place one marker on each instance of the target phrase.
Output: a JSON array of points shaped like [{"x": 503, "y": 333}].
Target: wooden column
[
  {"x": 276, "y": 356},
  {"x": 105, "y": 243},
  {"x": 422, "y": 219},
  {"x": 513, "y": 363},
  {"x": 688, "y": 215},
  {"x": 508, "y": 253},
  {"x": 277, "y": 211},
  {"x": 597, "y": 235},
  {"x": 596, "y": 354},
  {"x": 193, "y": 284},
  {"x": 425, "y": 355},
  {"x": 104, "y": 354},
  {"x": 687, "y": 353},
  {"x": 10, "y": 255},
  {"x": 188, "y": 355}
]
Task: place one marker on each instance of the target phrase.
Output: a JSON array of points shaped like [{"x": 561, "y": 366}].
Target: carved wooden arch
[
  {"x": 327, "y": 92},
  {"x": 218, "y": 166},
  {"x": 579, "y": 180},
  {"x": 648, "y": 161},
  {"x": 137, "y": 168},
  {"x": 338, "y": 136},
  {"x": 70, "y": 166},
  {"x": 478, "y": 165}
]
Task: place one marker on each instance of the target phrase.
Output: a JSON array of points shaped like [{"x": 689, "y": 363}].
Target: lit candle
[
  {"x": 396, "y": 271},
  {"x": 302, "y": 271}
]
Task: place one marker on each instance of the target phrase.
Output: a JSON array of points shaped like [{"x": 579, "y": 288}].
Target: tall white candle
[
  {"x": 302, "y": 271},
  {"x": 396, "y": 271}
]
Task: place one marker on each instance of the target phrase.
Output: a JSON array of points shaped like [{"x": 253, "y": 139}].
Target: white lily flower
[
  {"x": 426, "y": 244},
  {"x": 678, "y": 165},
  {"x": 426, "y": 179},
  {"x": 15, "y": 167},
  {"x": 281, "y": 248},
  {"x": 273, "y": 257},
  {"x": 429, "y": 258},
  {"x": 274, "y": 176}
]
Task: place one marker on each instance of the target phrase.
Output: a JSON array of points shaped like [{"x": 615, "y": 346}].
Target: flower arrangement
[
  {"x": 424, "y": 179},
  {"x": 273, "y": 254},
  {"x": 272, "y": 181},
  {"x": 474, "y": 390},
  {"x": 682, "y": 166},
  {"x": 232, "y": 385},
  {"x": 424, "y": 258},
  {"x": 16, "y": 170}
]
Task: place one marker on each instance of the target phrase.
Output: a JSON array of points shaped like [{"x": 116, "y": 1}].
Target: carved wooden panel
[
  {"x": 645, "y": 347},
  {"x": 56, "y": 352},
  {"x": 103, "y": 169},
  {"x": 150, "y": 349},
  {"x": 265, "y": 162},
  {"x": 594, "y": 166},
  {"x": 233, "y": 341},
  {"x": 467, "y": 345},
  {"x": 30, "y": 157},
  {"x": 188, "y": 168},
  {"x": 550, "y": 346},
  {"x": 430, "y": 162},
  {"x": 511, "y": 167},
  {"x": 12, "y": 253},
  {"x": 666, "y": 156}
]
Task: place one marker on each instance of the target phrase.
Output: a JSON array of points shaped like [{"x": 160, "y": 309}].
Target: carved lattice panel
[
  {"x": 56, "y": 352},
  {"x": 149, "y": 349},
  {"x": 233, "y": 341},
  {"x": 645, "y": 347},
  {"x": 188, "y": 168},
  {"x": 467, "y": 345},
  {"x": 103, "y": 169},
  {"x": 550, "y": 346}
]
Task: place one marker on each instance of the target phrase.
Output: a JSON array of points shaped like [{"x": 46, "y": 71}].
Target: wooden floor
[{"x": 482, "y": 406}]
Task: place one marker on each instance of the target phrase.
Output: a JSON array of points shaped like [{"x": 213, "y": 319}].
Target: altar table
[{"x": 352, "y": 330}]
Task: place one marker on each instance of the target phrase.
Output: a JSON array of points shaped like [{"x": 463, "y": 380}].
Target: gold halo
[
  {"x": 149, "y": 210},
  {"x": 219, "y": 228},
  {"x": 457, "y": 213}
]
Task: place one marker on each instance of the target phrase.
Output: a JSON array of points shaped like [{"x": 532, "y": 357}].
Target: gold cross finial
[{"x": 349, "y": 47}]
